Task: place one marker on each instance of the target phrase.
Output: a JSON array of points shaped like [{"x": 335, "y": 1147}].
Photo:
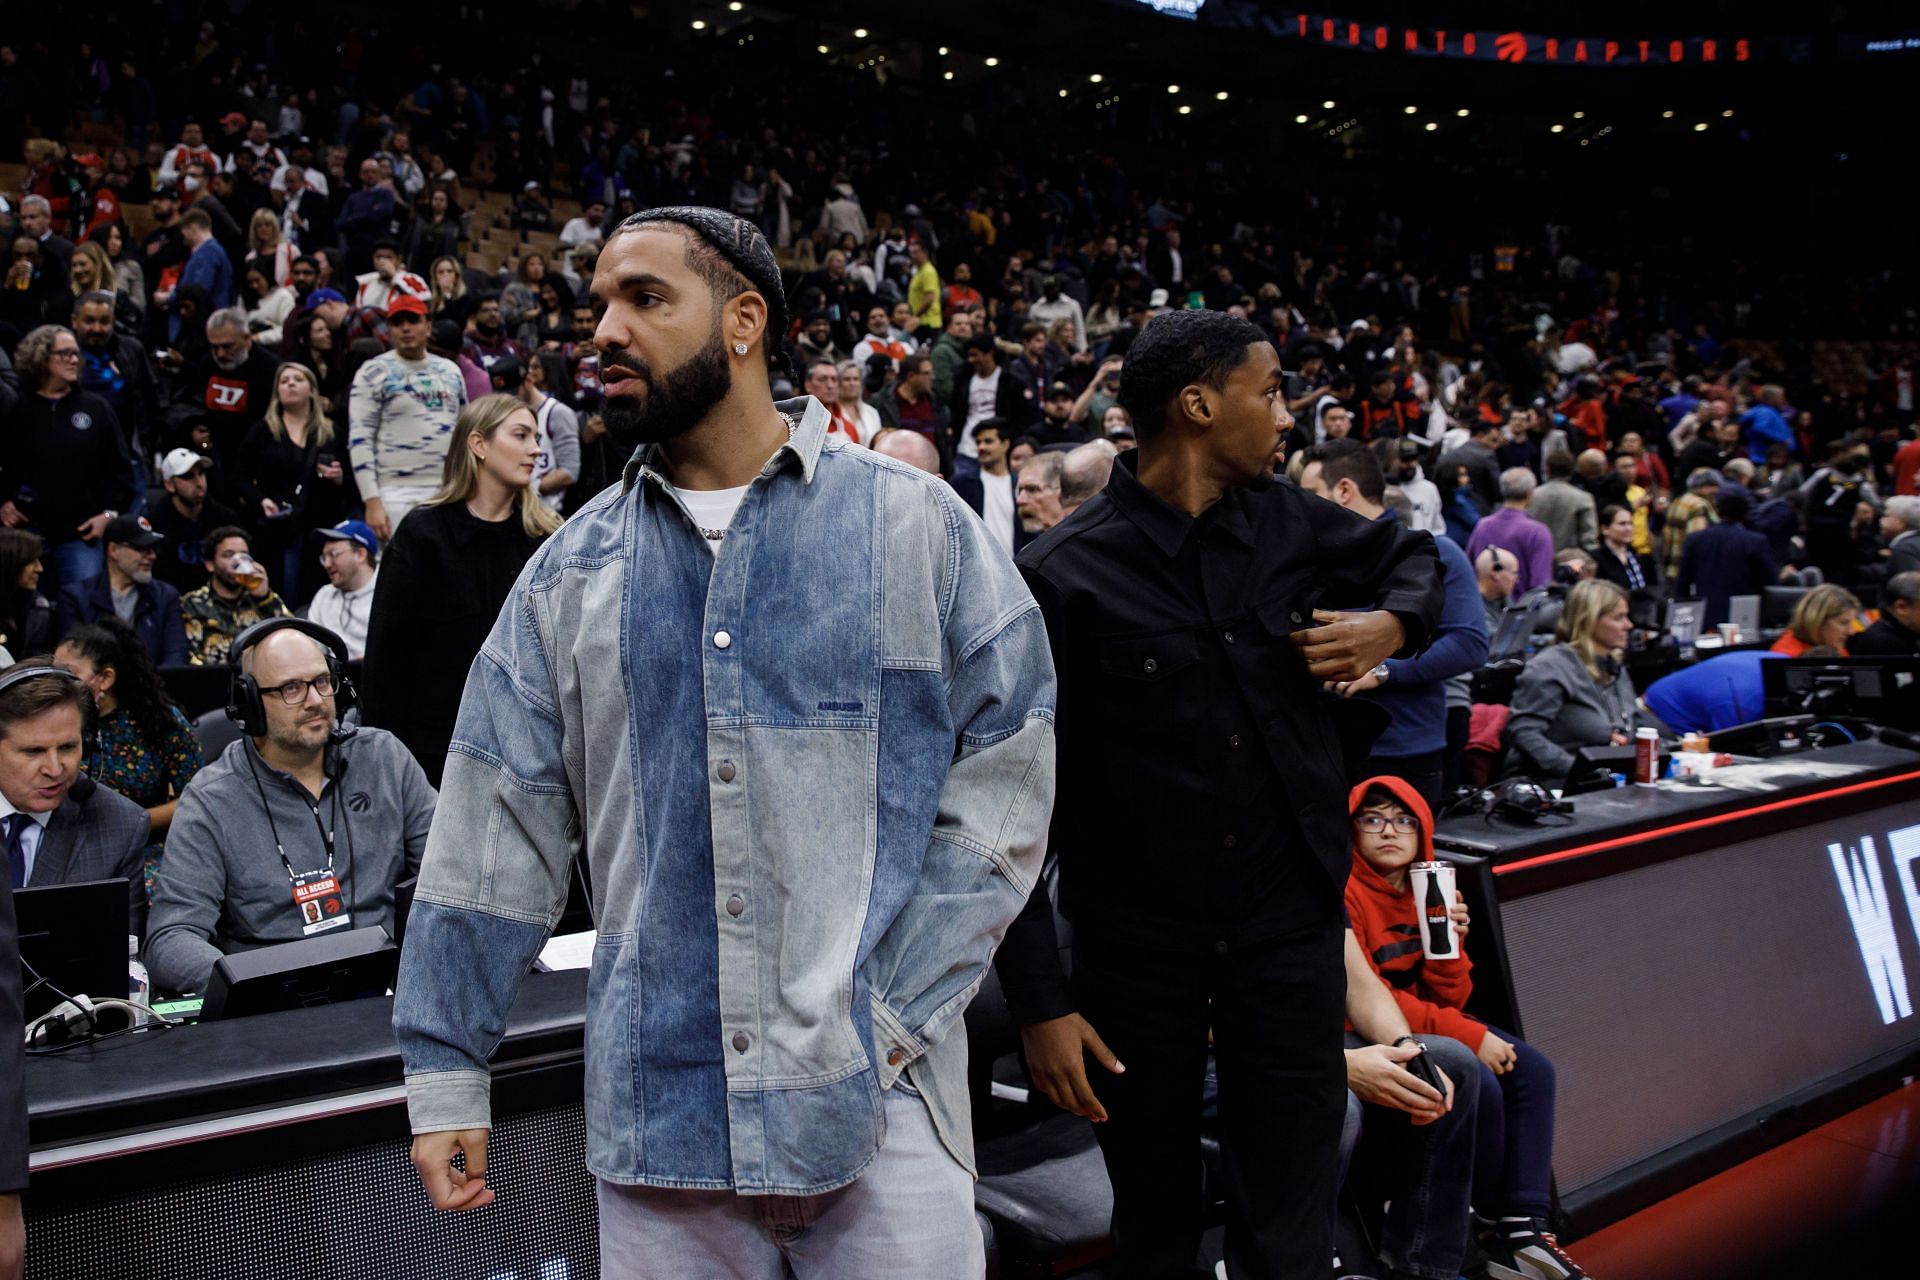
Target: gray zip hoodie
[{"x": 221, "y": 885}]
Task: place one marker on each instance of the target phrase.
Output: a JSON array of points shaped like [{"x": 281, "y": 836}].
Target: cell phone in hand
[
  {"x": 323, "y": 459},
  {"x": 1421, "y": 1067}
]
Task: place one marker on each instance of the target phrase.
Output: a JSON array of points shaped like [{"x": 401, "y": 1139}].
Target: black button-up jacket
[{"x": 1196, "y": 752}]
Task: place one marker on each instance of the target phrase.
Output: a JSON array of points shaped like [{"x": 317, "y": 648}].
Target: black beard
[{"x": 675, "y": 402}]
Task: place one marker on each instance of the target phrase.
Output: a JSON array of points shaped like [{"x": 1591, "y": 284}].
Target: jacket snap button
[
  {"x": 736, "y": 904},
  {"x": 1151, "y": 666},
  {"x": 740, "y": 1041},
  {"x": 722, "y": 640},
  {"x": 726, "y": 771},
  {"x": 895, "y": 1057},
  {"x": 1295, "y": 616},
  {"x": 1227, "y": 636}
]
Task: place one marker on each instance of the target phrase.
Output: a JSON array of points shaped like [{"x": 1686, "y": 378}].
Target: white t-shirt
[
  {"x": 712, "y": 509},
  {"x": 983, "y": 397},
  {"x": 996, "y": 508}
]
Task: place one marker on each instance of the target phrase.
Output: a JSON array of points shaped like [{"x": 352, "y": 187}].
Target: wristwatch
[{"x": 1380, "y": 673}]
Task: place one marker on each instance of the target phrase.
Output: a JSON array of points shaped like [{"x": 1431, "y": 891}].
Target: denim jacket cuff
[
  {"x": 896, "y": 1047},
  {"x": 441, "y": 1100}
]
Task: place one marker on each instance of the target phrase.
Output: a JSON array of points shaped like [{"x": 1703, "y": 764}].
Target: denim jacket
[{"x": 811, "y": 773}]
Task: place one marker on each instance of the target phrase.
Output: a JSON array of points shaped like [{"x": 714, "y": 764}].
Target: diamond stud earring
[{"x": 739, "y": 348}]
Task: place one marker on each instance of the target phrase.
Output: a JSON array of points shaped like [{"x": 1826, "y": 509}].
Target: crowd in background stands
[{"x": 249, "y": 291}]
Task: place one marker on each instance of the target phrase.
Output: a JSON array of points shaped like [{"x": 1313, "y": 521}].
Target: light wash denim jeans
[{"x": 909, "y": 1214}]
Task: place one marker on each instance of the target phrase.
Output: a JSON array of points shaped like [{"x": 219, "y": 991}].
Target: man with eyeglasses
[
  {"x": 278, "y": 812},
  {"x": 231, "y": 387},
  {"x": 64, "y": 469},
  {"x": 350, "y": 555}
]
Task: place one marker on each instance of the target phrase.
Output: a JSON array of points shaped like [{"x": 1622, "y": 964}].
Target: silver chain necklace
[{"x": 714, "y": 535}]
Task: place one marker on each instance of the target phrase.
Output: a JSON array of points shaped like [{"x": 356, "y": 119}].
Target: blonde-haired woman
[
  {"x": 91, "y": 271},
  {"x": 268, "y": 250},
  {"x": 446, "y": 573},
  {"x": 1576, "y": 692},
  {"x": 292, "y": 471},
  {"x": 1823, "y": 616}
]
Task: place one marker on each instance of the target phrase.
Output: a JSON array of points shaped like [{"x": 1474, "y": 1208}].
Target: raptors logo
[{"x": 226, "y": 396}]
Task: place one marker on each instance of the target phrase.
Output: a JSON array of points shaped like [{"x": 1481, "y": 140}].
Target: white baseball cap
[{"x": 180, "y": 461}]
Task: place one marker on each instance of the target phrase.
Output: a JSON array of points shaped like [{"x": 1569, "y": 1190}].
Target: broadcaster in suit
[{"x": 57, "y": 825}]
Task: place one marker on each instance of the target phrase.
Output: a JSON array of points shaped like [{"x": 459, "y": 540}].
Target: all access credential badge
[{"x": 316, "y": 895}]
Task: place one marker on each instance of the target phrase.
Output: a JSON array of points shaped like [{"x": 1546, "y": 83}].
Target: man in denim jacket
[{"x": 796, "y": 710}]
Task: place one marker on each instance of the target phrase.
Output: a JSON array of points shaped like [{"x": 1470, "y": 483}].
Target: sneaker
[{"x": 1523, "y": 1249}]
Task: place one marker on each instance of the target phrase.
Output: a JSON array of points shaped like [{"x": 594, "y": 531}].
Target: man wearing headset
[
  {"x": 1497, "y": 570},
  {"x": 57, "y": 826},
  {"x": 299, "y": 828}
]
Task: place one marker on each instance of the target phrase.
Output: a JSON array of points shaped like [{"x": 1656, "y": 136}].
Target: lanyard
[{"x": 324, "y": 828}]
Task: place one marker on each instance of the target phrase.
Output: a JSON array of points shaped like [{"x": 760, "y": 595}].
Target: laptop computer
[
  {"x": 1514, "y": 632},
  {"x": 1683, "y": 620},
  {"x": 1744, "y": 613}
]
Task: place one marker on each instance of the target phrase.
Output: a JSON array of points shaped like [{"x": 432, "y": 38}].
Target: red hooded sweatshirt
[{"x": 1387, "y": 923}]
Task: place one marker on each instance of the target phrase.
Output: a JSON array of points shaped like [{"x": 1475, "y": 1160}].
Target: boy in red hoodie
[{"x": 1392, "y": 829}]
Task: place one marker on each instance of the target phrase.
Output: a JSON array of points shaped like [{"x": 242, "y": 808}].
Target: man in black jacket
[
  {"x": 990, "y": 390},
  {"x": 185, "y": 519},
  {"x": 114, "y": 368},
  {"x": 1201, "y": 822}
]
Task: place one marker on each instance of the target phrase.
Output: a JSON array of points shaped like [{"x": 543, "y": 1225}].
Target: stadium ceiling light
[
  {"x": 699, "y": 25},
  {"x": 1701, "y": 127},
  {"x": 1413, "y": 111},
  {"x": 1300, "y": 119},
  {"x": 735, "y": 7},
  {"x": 1094, "y": 78},
  {"x": 823, "y": 48},
  {"x": 1727, "y": 114},
  {"x": 1327, "y": 105},
  {"x": 1173, "y": 88},
  {"x": 1559, "y": 128},
  {"x": 944, "y": 51},
  {"x": 1220, "y": 96},
  {"x": 993, "y": 62},
  {"x": 1666, "y": 115},
  {"x": 1579, "y": 115},
  {"x": 949, "y": 75},
  {"x": 1186, "y": 111},
  {"x": 1432, "y": 125},
  {"x": 859, "y": 33},
  {"x": 1063, "y": 93},
  {"x": 1463, "y": 113}
]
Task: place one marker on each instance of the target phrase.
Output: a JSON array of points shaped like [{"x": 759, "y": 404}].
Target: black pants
[
  {"x": 1276, "y": 1011},
  {"x": 1459, "y": 721},
  {"x": 1424, "y": 772}
]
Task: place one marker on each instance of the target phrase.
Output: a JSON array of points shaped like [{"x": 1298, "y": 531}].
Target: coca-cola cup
[{"x": 1432, "y": 884}]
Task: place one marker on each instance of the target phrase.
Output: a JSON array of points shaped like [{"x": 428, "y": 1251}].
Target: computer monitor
[
  {"x": 1744, "y": 613},
  {"x": 1885, "y": 690},
  {"x": 329, "y": 968},
  {"x": 1683, "y": 620},
  {"x": 1777, "y": 605},
  {"x": 1513, "y": 633},
  {"x": 73, "y": 940}
]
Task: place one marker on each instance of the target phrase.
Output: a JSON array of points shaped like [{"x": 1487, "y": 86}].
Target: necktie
[
  {"x": 1635, "y": 578},
  {"x": 16, "y": 824}
]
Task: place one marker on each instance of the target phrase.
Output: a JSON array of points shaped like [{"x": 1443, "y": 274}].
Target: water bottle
[{"x": 137, "y": 983}]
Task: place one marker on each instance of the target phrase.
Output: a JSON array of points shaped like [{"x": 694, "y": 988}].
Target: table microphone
[{"x": 1900, "y": 738}]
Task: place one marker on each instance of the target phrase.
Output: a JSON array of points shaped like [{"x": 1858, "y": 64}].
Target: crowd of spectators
[{"x": 284, "y": 336}]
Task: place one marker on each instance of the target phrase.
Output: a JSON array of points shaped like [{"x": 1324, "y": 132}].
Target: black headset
[
  {"x": 246, "y": 706},
  {"x": 89, "y": 714}
]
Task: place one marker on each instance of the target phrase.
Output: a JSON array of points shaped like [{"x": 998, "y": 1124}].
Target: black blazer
[
  {"x": 96, "y": 834},
  {"x": 1612, "y": 570}
]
